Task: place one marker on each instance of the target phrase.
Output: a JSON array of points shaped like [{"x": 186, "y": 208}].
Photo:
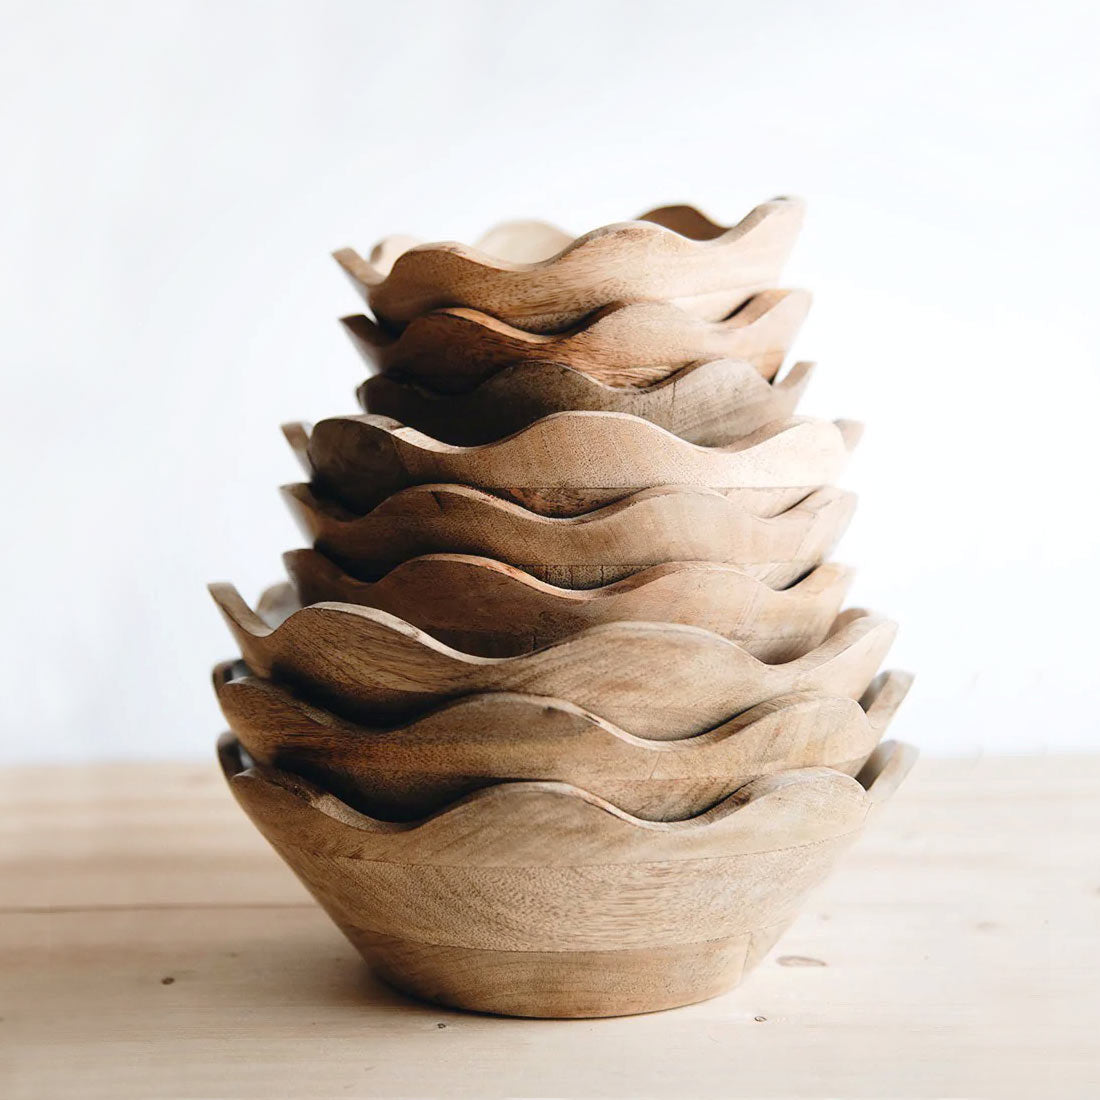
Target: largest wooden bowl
[
  {"x": 539, "y": 899},
  {"x": 532, "y": 275}
]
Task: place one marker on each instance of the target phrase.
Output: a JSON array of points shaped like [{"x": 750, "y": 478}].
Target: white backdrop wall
[{"x": 175, "y": 174}]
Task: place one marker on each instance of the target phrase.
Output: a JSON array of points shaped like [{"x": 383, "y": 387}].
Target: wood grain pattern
[
  {"x": 958, "y": 932},
  {"x": 655, "y": 680},
  {"x": 483, "y": 606},
  {"x": 533, "y": 825},
  {"x": 669, "y": 254},
  {"x": 454, "y": 350},
  {"x": 650, "y": 528},
  {"x": 569, "y": 984},
  {"x": 548, "y": 868},
  {"x": 573, "y": 462},
  {"x": 709, "y": 404},
  {"x": 411, "y": 770}
]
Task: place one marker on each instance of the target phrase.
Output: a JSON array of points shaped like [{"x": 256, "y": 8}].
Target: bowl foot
[{"x": 564, "y": 984}]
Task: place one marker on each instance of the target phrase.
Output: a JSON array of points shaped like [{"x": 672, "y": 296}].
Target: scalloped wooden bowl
[
  {"x": 658, "y": 680},
  {"x": 569, "y": 463},
  {"x": 540, "y": 899},
  {"x": 403, "y": 772},
  {"x": 483, "y": 606},
  {"x": 532, "y": 275},
  {"x": 709, "y": 404},
  {"x": 665, "y": 524},
  {"x": 454, "y": 350}
]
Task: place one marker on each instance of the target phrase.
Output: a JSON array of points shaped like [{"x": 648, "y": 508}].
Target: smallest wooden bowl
[
  {"x": 540, "y": 899},
  {"x": 533, "y": 275}
]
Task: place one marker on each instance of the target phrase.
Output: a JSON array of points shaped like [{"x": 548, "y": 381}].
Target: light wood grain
[
  {"x": 497, "y": 871},
  {"x": 536, "y": 826},
  {"x": 168, "y": 955},
  {"x": 483, "y": 606},
  {"x": 573, "y": 462},
  {"x": 704, "y": 268},
  {"x": 454, "y": 350},
  {"x": 650, "y": 528},
  {"x": 655, "y": 680},
  {"x": 709, "y": 404},
  {"x": 569, "y": 984},
  {"x": 408, "y": 771}
]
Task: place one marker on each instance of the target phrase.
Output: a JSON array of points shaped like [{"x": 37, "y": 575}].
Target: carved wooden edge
[
  {"x": 648, "y": 528},
  {"x": 368, "y": 664},
  {"x": 454, "y": 350},
  {"x": 408, "y": 771},
  {"x": 241, "y": 693},
  {"x": 311, "y": 567},
  {"x": 598, "y": 429},
  {"x": 485, "y": 826},
  {"x": 331, "y": 620},
  {"x": 709, "y": 403},
  {"x": 597, "y": 457},
  {"x": 684, "y": 221},
  {"x": 484, "y": 606},
  {"x": 650, "y": 260}
]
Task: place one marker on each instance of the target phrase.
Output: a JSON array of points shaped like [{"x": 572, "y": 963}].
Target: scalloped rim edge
[{"x": 890, "y": 758}]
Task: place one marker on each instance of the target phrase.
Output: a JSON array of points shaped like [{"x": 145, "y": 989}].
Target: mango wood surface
[
  {"x": 483, "y": 606},
  {"x": 500, "y": 869},
  {"x": 709, "y": 404},
  {"x": 169, "y": 955},
  {"x": 454, "y": 350},
  {"x": 564, "y": 984},
  {"x": 655, "y": 680},
  {"x": 414, "y": 769},
  {"x": 672, "y": 254},
  {"x": 573, "y": 462},
  {"x": 650, "y": 528}
]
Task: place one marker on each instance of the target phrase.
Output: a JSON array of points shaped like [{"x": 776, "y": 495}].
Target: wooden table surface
[{"x": 152, "y": 946}]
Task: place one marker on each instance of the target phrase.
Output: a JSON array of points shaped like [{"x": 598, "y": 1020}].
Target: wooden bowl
[
  {"x": 482, "y": 606},
  {"x": 710, "y": 404},
  {"x": 531, "y": 275},
  {"x": 407, "y": 771},
  {"x": 649, "y": 528},
  {"x": 569, "y": 463},
  {"x": 454, "y": 350},
  {"x": 656, "y": 680},
  {"x": 539, "y": 899}
]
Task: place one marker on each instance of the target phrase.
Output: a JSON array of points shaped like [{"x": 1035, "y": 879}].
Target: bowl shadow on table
[
  {"x": 314, "y": 967},
  {"x": 290, "y": 955}
]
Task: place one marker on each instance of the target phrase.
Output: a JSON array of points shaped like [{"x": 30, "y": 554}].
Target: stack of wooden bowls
[{"x": 560, "y": 714}]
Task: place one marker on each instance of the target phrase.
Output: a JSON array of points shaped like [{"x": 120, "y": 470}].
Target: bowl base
[{"x": 564, "y": 984}]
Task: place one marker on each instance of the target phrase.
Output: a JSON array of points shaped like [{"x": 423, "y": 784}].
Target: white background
[{"x": 176, "y": 173}]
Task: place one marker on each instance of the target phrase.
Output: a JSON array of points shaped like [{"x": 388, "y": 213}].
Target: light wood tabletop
[{"x": 152, "y": 946}]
